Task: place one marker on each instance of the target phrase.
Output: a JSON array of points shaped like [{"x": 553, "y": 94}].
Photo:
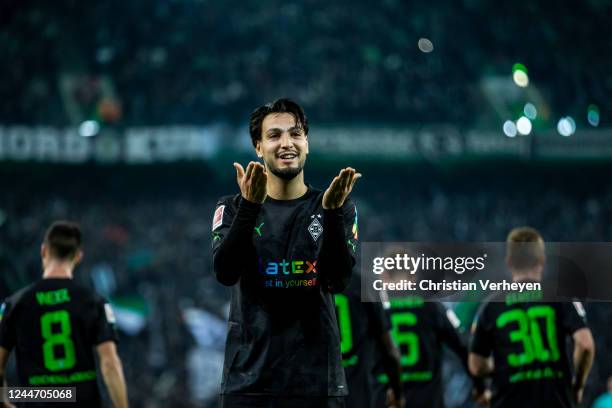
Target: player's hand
[
  {"x": 253, "y": 182},
  {"x": 577, "y": 392},
  {"x": 339, "y": 189},
  {"x": 482, "y": 398},
  {"x": 393, "y": 401}
]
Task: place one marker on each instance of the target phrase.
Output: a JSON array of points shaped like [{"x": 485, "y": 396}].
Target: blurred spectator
[{"x": 605, "y": 400}]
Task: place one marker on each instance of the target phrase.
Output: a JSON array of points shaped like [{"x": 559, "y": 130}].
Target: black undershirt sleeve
[
  {"x": 335, "y": 260},
  {"x": 236, "y": 250}
]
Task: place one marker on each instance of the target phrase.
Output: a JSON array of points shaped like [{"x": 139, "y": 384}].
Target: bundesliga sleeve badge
[
  {"x": 110, "y": 315},
  {"x": 218, "y": 218},
  {"x": 579, "y": 309}
]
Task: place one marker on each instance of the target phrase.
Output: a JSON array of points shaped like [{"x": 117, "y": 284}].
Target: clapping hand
[
  {"x": 253, "y": 182},
  {"x": 339, "y": 189}
]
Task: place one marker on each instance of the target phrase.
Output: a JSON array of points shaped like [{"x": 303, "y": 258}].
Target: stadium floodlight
[
  {"x": 509, "y": 128},
  {"x": 530, "y": 110},
  {"x": 523, "y": 125},
  {"x": 89, "y": 128},
  {"x": 593, "y": 115},
  {"x": 566, "y": 126},
  {"x": 519, "y": 75},
  {"x": 425, "y": 45}
]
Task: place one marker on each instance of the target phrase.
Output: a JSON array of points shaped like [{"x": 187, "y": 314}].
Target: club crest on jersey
[
  {"x": 315, "y": 228},
  {"x": 218, "y": 218}
]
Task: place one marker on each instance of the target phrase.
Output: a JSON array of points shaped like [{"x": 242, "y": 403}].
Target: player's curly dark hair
[
  {"x": 63, "y": 238},
  {"x": 282, "y": 105}
]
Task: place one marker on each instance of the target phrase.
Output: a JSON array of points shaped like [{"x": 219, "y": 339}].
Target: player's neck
[
  {"x": 527, "y": 275},
  {"x": 280, "y": 189},
  {"x": 57, "y": 270}
]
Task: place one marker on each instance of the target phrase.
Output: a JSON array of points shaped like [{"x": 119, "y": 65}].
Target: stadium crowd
[{"x": 188, "y": 61}]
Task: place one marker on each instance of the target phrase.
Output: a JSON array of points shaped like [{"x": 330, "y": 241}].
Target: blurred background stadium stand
[{"x": 467, "y": 118}]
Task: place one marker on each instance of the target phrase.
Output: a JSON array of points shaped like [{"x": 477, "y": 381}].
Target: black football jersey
[
  {"x": 421, "y": 329},
  {"x": 283, "y": 337},
  {"x": 527, "y": 340},
  {"x": 53, "y": 325},
  {"x": 362, "y": 325}
]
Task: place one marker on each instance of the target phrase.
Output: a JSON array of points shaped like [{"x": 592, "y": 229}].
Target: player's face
[{"x": 283, "y": 145}]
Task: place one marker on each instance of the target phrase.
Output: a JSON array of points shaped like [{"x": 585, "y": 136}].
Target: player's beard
[{"x": 286, "y": 173}]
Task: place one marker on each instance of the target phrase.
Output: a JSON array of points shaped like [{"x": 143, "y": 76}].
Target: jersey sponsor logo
[
  {"x": 218, "y": 218},
  {"x": 579, "y": 309},
  {"x": 315, "y": 228},
  {"x": 287, "y": 273},
  {"x": 2, "y": 309},
  {"x": 110, "y": 315},
  {"x": 287, "y": 267}
]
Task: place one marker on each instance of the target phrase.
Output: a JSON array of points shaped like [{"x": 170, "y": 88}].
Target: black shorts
[{"x": 248, "y": 401}]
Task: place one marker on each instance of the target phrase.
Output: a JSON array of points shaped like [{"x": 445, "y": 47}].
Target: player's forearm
[
  {"x": 583, "y": 361},
  {"x": 480, "y": 366},
  {"x": 112, "y": 372},
  {"x": 459, "y": 346},
  {"x": 235, "y": 251},
  {"x": 461, "y": 350},
  {"x": 335, "y": 262},
  {"x": 4, "y": 396},
  {"x": 3, "y": 360},
  {"x": 2, "y": 382}
]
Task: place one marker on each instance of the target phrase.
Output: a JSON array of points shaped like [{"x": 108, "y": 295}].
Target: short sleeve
[
  {"x": 573, "y": 316},
  {"x": 105, "y": 323},
  {"x": 482, "y": 335},
  {"x": 7, "y": 329}
]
